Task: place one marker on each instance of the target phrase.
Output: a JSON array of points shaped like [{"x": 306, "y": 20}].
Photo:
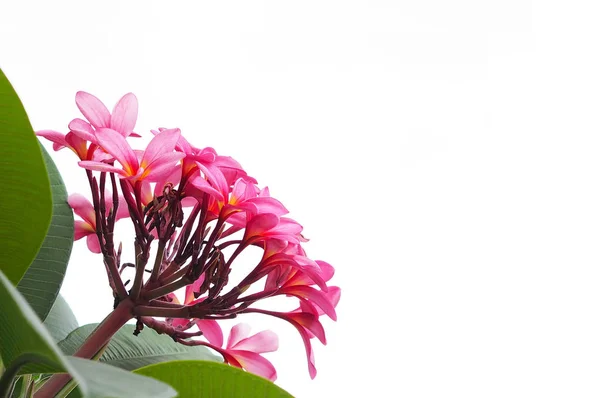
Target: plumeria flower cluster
[{"x": 197, "y": 211}]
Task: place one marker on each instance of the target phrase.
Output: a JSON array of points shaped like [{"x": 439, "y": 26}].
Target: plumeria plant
[{"x": 191, "y": 213}]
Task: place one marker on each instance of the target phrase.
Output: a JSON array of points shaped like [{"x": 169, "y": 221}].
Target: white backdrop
[{"x": 442, "y": 155}]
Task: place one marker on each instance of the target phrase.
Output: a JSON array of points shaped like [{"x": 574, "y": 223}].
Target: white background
[{"x": 442, "y": 155}]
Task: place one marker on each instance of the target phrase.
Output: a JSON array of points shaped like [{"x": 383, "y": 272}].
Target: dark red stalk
[{"x": 99, "y": 337}]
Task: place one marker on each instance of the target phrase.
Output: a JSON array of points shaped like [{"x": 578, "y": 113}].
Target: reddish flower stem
[
  {"x": 166, "y": 289},
  {"x": 158, "y": 261},
  {"x": 182, "y": 312},
  {"x": 99, "y": 337}
]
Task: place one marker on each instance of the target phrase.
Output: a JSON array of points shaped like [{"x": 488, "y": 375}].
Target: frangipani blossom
[
  {"x": 122, "y": 119},
  {"x": 243, "y": 350},
  {"x": 196, "y": 211},
  {"x": 307, "y": 324},
  {"x": 70, "y": 140},
  {"x": 157, "y": 161},
  {"x": 86, "y": 227},
  {"x": 81, "y": 132}
]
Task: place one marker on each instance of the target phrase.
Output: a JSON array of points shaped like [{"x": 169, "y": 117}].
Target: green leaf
[
  {"x": 131, "y": 352},
  {"x": 25, "y": 341},
  {"x": 60, "y": 321},
  {"x": 42, "y": 281},
  {"x": 21, "y": 333},
  {"x": 107, "y": 381},
  {"x": 197, "y": 379},
  {"x": 26, "y": 205}
]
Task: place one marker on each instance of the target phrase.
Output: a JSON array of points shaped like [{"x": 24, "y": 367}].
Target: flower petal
[
  {"x": 54, "y": 136},
  {"x": 311, "y": 323},
  {"x": 160, "y": 145},
  {"x": 255, "y": 363},
  {"x": 265, "y": 341},
  {"x": 93, "y": 109},
  {"x": 198, "y": 185},
  {"x": 93, "y": 244},
  {"x": 82, "y": 229},
  {"x": 124, "y": 114},
  {"x": 193, "y": 288},
  {"x": 260, "y": 224},
  {"x": 327, "y": 270},
  {"x": 101, "y": 166},
  {"x": 116, "y": 145},
  {"x": 83, "y": 130},
  {"x": 238, "y": 332},
  {"x": 310, "y": 356},
  {"x": 163, "y": 167},
  {"x": 315, "y": 296},
  {"x": 211, "y": 331},
  {"x": 83, "y": 208}
]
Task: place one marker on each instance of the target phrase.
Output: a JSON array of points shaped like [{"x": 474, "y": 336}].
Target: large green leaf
[
  {"x": 26, "y": 205},
  {"x": 60, "y": 320},
  {"x": 21, "y": 333},
  {"x": 24, "y": 340},
  {"x": 103, "y": 381},
  {"x": 130, "y": 352},
  {"x": 197, "y": 379},
  {"x": 43, "y": 279}
]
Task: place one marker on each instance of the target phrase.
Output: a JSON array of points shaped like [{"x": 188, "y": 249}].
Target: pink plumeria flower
[
  {"x": 81, "y": 132},
  {"x": 307, "y": 324},
  {"x": 243, "y": 350},
  {"x": 70, "y": 140},
  {"x": 265, "y": 226},
  {"x": 122, "y": 119},
  {"x": 157, "y": 161},
  {"x": 86, "y": 227}
]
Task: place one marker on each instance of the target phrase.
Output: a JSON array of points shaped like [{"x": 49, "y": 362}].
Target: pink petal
[
  {"x": 193, "y": 288},
  {"x": 82, "y": 229},
  {"x": 311, "y": 323},
  {"x": 287, "y": 226},
  {"x": 211, "y": 331},
  {"x": 160, "y": 145},
  {"x": 93, "y": 244},
  {"x": 115, "y": 144},
  {"x": 124, "y": 114},
  {"x": 173, "y": 178},
  {"x": 269, "y": 205},
  {"x": 188, "y": 201},
  {"x": 238, "y": 332},
  {"x": 260, "y": 223},
  {"x": 207, "y": 155},
  {"x": 101, "y": 166},
  {"x": 215, "y": 177},
  {"x": 333, "y": 295},
  {"x": 315, "y": 296},
  {"x": 77, "y": 144},
  {"x": 54, "y": 136},
  {"x": 309, "y": 271},
  {"x": 122, "y": 210},
  {"x": 265, "y": 341},
  {"x": 83, "y": 208},
  {"x": 93, "y": 109},
  {"x": 182, "y": 144},
  {"x": 163, "y": 167},
  {"x": 180, "y": 323},
  {"x": 312, "y": 370},
  {"x": 198, "y": 185},
  {"x": 147, "y": 195},
  {"x": 82, "y": 129},
  {"x": 327, "y": 271},
  {"x": 255, "y": 363}
]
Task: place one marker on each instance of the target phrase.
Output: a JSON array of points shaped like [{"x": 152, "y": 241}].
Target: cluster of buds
[{"x": 188, "y": 205}]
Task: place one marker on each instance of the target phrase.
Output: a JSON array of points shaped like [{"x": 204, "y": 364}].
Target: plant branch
[{"x": 91, "y": 346}]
